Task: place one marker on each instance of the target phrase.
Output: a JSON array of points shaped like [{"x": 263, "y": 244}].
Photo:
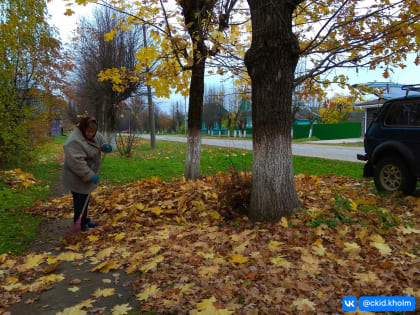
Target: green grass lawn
[
  {"x": 166, "y": 162},
  {"x": 16, "y": 228}
]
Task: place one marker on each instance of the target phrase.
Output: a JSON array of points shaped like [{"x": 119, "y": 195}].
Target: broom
[{"x": 77, "y": 226}]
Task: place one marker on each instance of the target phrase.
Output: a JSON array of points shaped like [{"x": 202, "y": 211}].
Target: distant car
[
  {"x": 392, "y": 144},
  {"x": 125, "y": 131}
]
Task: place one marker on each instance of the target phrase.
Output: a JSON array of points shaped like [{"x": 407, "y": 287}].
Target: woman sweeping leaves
[{"x": 82, "y": 162}]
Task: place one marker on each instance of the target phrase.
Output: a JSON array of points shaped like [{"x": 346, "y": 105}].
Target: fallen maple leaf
[
  {"x": 379, "y": 243},
  {"x": 237, "y": 259},
  {"x": 148, "y": 292},
  {"x": 93, "y": 238},
  {"x": 119, "y": 236},
  {"x": 105, "y": 253},
  {"x": 366, "y": 277},
  {"x": 284, "y": 222},
  {"x": 32, "y": 261},
  {"x": 275, "y": 246},
  {"x": 279, "y": 261},
  {"x": 408, "y": 230},
  {"x": 303, "y": 304},
  {"x": 103, "y": 292},
  {"x": 69, "y": 256},
  {"x": 384, "y": 249},
  {"x": 352, "y": 248},
  {"x": 206, "y": 307},
  {"x": 122, "y": 309}
]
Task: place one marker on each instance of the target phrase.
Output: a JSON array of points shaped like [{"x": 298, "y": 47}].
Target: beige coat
[{"x": 82, "y": 161}]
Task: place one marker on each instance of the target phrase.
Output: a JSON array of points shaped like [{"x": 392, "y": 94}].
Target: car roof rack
[{"x": 411, "y": 87}]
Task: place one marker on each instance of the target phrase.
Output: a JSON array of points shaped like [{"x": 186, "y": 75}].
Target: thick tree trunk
[
  {"x": 271, "y": 62},
  {"x": 193, "y": 156}
]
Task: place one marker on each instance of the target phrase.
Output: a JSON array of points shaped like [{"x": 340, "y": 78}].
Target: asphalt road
[{"x": 315, "y": 150}]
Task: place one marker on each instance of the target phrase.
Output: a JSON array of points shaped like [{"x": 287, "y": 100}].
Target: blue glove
[
  {"x": 95, "y": 178},
  {"x": 107, "y": 148}
]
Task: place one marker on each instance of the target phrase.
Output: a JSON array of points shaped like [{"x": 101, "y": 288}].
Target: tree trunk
[
  {"x": 151, "y": 117},
  {"x": 150, "y": 100},
  {"x": 193, "y": 156},
  {"x": 271, "y": 62},
  {"x": 311, "y": 126}
]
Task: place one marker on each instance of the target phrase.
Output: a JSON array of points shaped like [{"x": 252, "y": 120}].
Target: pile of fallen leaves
[
  {"x": 18, "y": 179},
  {"x": 346, "y": 241}
]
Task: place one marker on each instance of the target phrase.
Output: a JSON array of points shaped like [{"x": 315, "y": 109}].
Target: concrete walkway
[{"x": 304, "y": 149}]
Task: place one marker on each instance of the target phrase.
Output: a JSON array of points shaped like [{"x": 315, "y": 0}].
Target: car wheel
[{"x": 391, "y": 174}]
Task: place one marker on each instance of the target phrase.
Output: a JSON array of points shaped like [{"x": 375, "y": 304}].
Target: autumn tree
[
  {"x": 214, "y": 108},
  {"x": 336, "y": 110},
  {"x": 31, "y": 72},
  {"x": 95, "y": 55},
  {"x": 185, "y": 34},
  {"x": 330, "y": 35}
]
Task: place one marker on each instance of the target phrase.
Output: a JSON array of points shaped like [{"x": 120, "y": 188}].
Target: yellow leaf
[
  {"x": 279, "y": 261},
  {"x": 275, "y": 246},
  {"x": 362, "y": 233},
  {"x": 121, "y": 309},
  {"x": 74, "y": 310},
  {"x": 119, "y": 236},
  {"x": 151, "y": 264},
  {"x": 284, "y": 222},
  {"x": 69, "y": 12},
  {"x": 351, "y": 248},
  {"x": 53, "y": 278},
  {"x": 241, "y": 248},
  {"x": 215, "y": 215},
  {"x": 148, "y": 292},
  {"x": 237, "y": 259},
  {"x": 412, "y": 292},
  {"x": 31, "y": 261},
  {"x": 139, "y": 206},
  {"x": 105, "y": 253},
  {"x": 409, "y": 254},
  {"x": 206, "y": 255},
  {"x": 103, "y": 292},
  {"x": 206, "y": 307},
  {"x": 186, "y": 289},
  {"x": 304, "y": 304},
  {"x": 206, "y": 272},
  {"x": 106, "y": 266},
  {"x": 353, "y": 205},
  {"x": 408, "y": 230},
  {"x": 154, "y": 249},
  {"x": 77, "y": 309},
  {"x": 73, "y": 289},
  {"x": 318, "y": 250},
  {"x": 110, "y": 36},
  {"x": 156, "y": 210},
  {"x": 69, "y": 256},
  {"x": 384, "y": 249},
  {"x": 12, "y": 280},
  {"x": 377, "y": 239},
  {"x": 366, "y": 277},
  {"x": 93, "y": 238}
]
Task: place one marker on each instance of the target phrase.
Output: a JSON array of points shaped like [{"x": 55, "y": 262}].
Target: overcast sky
[{"x": 67, "y": 24}]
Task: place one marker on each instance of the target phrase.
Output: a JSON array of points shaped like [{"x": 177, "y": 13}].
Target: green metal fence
[{"x": 329, "y": 131}]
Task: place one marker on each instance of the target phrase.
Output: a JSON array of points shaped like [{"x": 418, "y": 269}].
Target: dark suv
[{"x": 392, "y": 144}]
